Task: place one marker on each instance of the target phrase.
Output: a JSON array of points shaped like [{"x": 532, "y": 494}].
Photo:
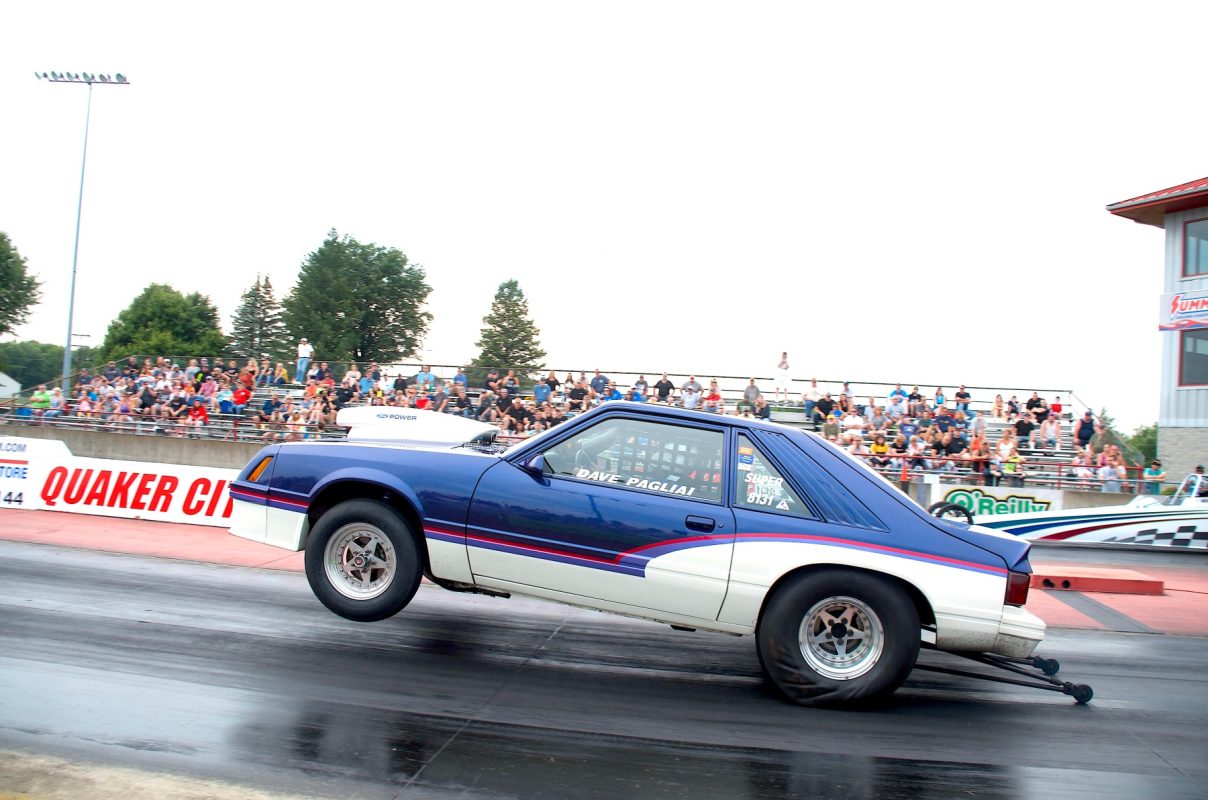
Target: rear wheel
[
  {"x": 362, "y": 561},
  {"x": 838, "y": 637}
]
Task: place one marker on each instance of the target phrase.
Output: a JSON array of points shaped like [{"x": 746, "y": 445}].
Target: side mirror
[{"x": 535, "y": 465}]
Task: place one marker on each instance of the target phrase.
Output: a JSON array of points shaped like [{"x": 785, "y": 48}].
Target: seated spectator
[
  {"x": 823, "y": 409},
  {"x": 39, "y": 401},
  {"x": 516, "y": 418},
  {"x": 542, "y": 390},
  {"x": 712, "y": 400},
  {"x": 761, "y": 409},
  {"x": 962, "y": 398},
  {"x": 424, "y": 379},
  {"x": 831, "y": 428},
  {"x": 689, "y": 397},
  {"x": 896, "y": 408},
  {"x": 749, "y": 394},
  {"x": 58, "y": 404},
  {"x": 610, "y": 393},
  {"x": 810, "y": 398},
  {"x": 239, "y": 399},
  {"x": 1084, "y": 429},
  {"x": 352, "y": 373},
  {"x": 879, "y": 450},
  {"x": 460, "y": 403},
  {"x": 852, "y": 425},
  {"x": 511, "y": 382},
  {"x": 1012, "y": 408},
  {"x": 488, "y": 411},
  {"x": 1012, "y": 469},
  {"x": 1025, "y": 430},
  {"x": 640, "y": 386},
  {"x": 197, "y": 416},
  {"x": 1050, "y": 432},
  {"x": 915, "y": 403},
  {"x": 440, "y": 398},
  {"x": 225, "y": 399},
  {"x": 577, "y": 397}
]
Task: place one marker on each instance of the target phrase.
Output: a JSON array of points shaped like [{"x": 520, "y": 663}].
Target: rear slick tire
[
  {"x": 839, "y": 637},
  {"x": 362, "y": 561}
]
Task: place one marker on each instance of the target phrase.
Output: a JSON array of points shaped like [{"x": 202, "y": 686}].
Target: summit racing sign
[{"x": 49, "y": 478}]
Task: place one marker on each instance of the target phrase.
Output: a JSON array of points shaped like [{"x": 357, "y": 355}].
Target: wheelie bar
[{"x": 1081, "y": 693}]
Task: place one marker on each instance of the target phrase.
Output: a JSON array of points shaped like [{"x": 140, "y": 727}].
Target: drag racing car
[{"x": 697, "y": 520}]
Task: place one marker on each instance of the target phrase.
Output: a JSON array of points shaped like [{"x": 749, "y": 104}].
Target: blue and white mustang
[{"x": 698, "y": 520}]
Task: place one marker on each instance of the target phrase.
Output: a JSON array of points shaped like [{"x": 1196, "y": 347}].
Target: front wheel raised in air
[
  {"x": 945, "y": 510},
  {"x": 838, "y": 637},
  {"x": 362, "y": 561}
]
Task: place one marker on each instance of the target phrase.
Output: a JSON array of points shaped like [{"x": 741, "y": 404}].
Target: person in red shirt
[
  {"x": 240, "y": 398},
  {"x": 1056, "y": 407},
  {"x": 198, "y": 417}
]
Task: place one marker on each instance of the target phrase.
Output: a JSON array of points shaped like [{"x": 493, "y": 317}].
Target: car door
[{"x": 628, "y": 511}]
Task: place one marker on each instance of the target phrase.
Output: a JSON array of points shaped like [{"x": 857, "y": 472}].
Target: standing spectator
[
  {"x": 963, "y": 398},
  {"x": 663, "y": 389},
  {"x": 1153, "y": 474},
  {"x": 1084, "y": 429},
  {"x": 782, "y": 378},
  {"x": 305, "y": 354}
]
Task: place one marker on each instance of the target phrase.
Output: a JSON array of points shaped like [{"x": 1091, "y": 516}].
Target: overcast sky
[{"x": 888, "y": 191}]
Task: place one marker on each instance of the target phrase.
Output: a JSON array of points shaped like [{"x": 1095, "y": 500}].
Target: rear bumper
[{"x": 1019, "y": 631}]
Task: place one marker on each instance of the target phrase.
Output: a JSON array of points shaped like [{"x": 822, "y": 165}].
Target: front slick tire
[
  {"x": 362, "y": 561},
  {"x": 839, "y": 637}
]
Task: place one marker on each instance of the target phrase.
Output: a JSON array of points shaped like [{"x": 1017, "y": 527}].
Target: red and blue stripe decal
[
  {"x": 633, "y": 562},
  {"x": 287, "y": 501}
]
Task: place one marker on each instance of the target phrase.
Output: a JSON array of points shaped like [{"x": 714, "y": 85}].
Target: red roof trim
[{"x": 1183, "y": 189}]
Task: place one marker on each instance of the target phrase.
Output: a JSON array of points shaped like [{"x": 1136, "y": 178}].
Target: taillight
[{"x": 1017, "y": 588}]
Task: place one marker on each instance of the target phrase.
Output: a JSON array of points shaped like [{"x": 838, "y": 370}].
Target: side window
[
  {"x": 645, "y": 456},
  {"x": 760, "y": 486}
]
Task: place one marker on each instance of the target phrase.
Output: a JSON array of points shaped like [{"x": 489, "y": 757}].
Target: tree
[
  {"x": 509, "y": 337},
  {"x": 358, "y": 301},
  {"x": 257, "y": 329},
  {"x": 31, "y": 363},
  {"x": 18, "y": 289},
  {"x": 162, "y": 321},
  {"x": 1145, "y": 440}
]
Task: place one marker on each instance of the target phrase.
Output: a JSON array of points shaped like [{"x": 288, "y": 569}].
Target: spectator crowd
[{"x": 903, "y": 432}]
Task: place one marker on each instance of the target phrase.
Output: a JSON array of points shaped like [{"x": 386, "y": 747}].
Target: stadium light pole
[{"x": 117, "y": 79}]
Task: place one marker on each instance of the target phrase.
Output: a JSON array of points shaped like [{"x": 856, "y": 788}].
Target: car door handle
[{"x": 702, "y": 524}]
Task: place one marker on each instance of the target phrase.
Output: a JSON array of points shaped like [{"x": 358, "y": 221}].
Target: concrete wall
[
  {"x": 158, "y": 449},
  {"x": 1181, "y": 450}
]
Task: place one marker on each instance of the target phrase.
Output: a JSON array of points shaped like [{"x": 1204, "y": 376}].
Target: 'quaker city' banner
[
  {"x": 43, "y": 475},
  {"x": 1184, "y": 311}
]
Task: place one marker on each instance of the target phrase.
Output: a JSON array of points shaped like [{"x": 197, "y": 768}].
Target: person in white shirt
[{"x": 305, "y": 354}]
